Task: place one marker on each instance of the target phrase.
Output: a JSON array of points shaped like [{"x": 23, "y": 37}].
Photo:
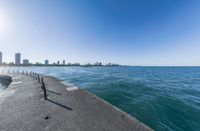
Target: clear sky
[{"x": 132, "y": 32}]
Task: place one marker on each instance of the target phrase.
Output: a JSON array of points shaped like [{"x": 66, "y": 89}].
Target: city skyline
[
  {"x": 130, "y": 32},
  {"x": 21, "y": 61}
]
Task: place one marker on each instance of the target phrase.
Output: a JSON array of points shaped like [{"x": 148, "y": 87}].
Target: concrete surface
[{"x": 23, "y": 108}]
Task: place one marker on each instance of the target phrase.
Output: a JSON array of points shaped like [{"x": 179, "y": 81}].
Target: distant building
[
  {"x": 11, "y": 63},
  {"x": 25, "y": 62},
  {"x": 1, "y": 58},
  {"x": 96, "y": 64},
  {"x": 17, "y": 58},
  {"x": 63, "y": 62},
  {"x": 58, "y": 62},
  {"x": 38, "y": 63},
  {"x": 46, "y": 62},
  {"x": 100, "y": 64},
  {"x": 111, "y": 64}
]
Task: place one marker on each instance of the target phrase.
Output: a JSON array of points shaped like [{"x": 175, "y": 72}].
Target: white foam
[
  {"x": 15, "y": 83},
  {"x": 67, "y": 83},
  {"x": 14, "y": 78},
  {"x": 72, "y": 88}
]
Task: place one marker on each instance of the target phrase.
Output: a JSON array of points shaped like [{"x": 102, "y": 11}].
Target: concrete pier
[{"x": 23, "y": 108}]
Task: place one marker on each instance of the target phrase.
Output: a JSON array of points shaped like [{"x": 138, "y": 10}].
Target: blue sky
[{"x": 131, "y": 32}]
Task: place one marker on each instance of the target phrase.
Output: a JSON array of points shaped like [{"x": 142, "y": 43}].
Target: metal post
[
  {"x": 38, "y": 78},
  {"x": 42, "y": 81},
  {"x": 17, "y": 72},
  {"x": 44, "y": 89}
]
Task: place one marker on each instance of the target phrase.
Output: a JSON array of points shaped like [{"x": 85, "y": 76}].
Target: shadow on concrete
[
  {"x": 63, "y": 106},
  {"x": 53, "y": 92}
]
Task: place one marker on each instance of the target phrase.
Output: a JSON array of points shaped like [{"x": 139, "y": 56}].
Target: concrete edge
[
  {"x": 107, "y": 103},
  {"x": 9, "y": 77}
]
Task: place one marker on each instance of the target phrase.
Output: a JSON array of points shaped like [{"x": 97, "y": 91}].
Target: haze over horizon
[{"x": 131, "y": 32}]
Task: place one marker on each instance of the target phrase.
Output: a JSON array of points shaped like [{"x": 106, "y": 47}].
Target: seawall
[{"x": 23, "y": 107}]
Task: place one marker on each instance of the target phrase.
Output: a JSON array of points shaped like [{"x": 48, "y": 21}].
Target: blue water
[
  {"x": 164, "y": 98},
  {"x": 2, "y": 87}
]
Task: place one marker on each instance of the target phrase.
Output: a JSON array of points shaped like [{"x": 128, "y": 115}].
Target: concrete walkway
[{"x": 23, "y": 108}]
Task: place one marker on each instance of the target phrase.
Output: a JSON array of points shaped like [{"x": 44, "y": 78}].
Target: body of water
[
  {"x": 2, "y": 87},
  {"x": 164, "y": 98}
]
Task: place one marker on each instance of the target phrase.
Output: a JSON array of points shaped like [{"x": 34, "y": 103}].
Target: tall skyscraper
[
  {"x": 63, "y": 62},
  {"x": 17, "y": 58},
  {"x": 1, "y": 58}
]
